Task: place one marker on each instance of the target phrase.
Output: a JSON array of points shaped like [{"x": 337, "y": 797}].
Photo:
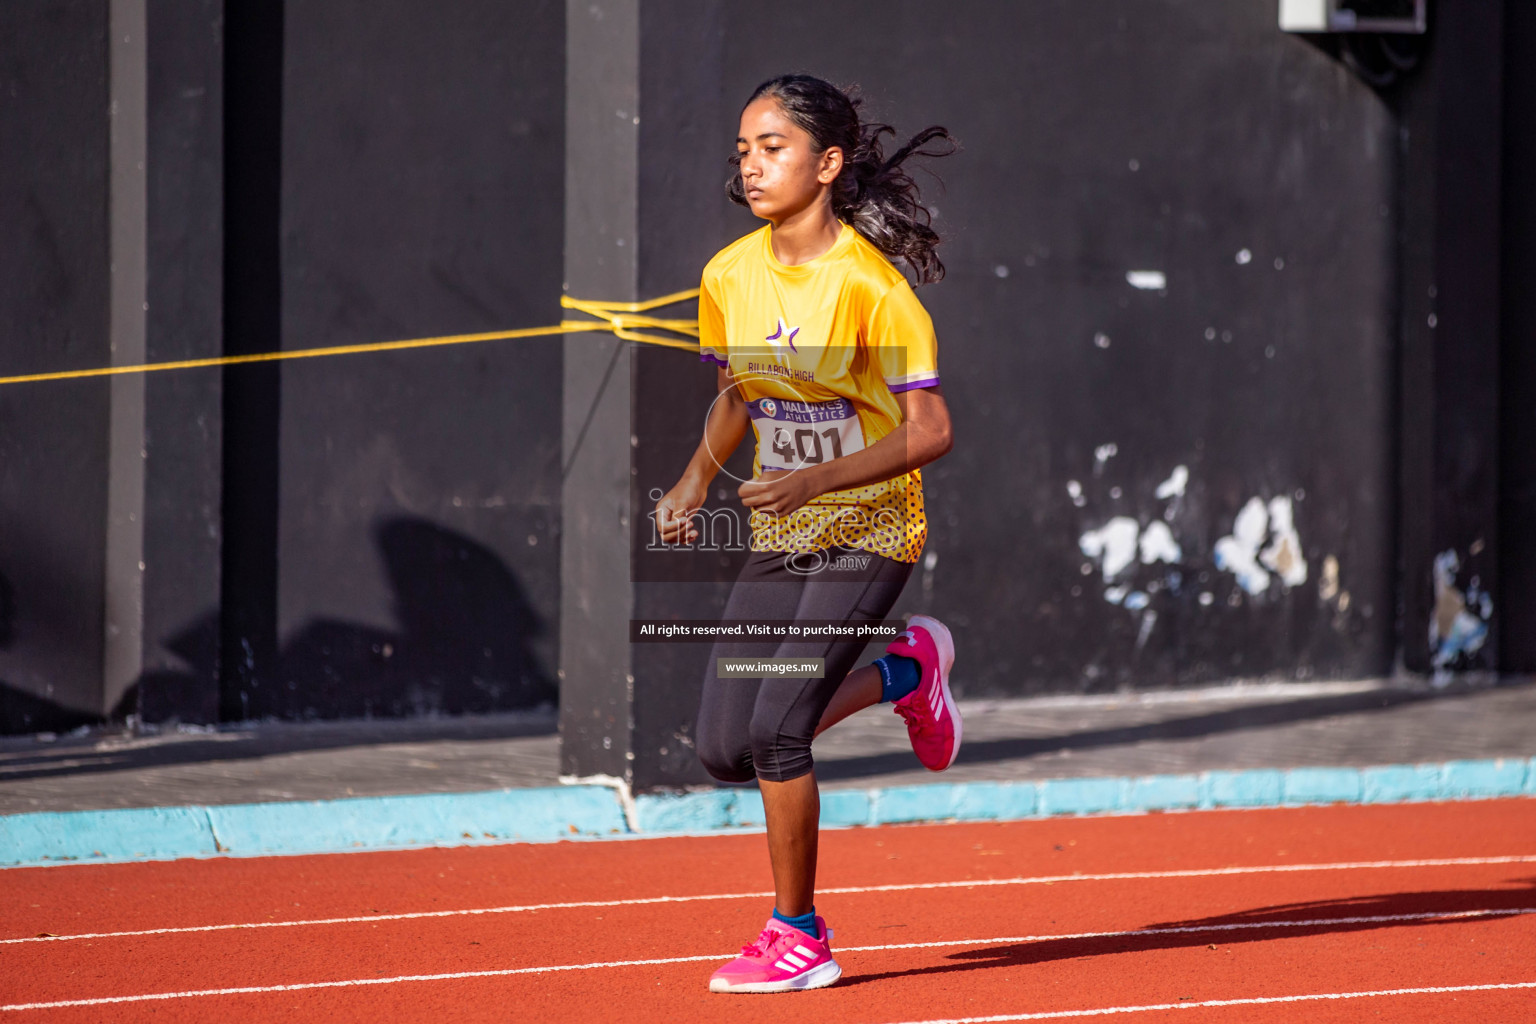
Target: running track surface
[{"x": 1401, "y": 913}]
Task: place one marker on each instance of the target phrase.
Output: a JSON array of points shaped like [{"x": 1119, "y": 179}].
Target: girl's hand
[
  {"x": 674, "y": 512},
  {"x": 778, "y": 491}
]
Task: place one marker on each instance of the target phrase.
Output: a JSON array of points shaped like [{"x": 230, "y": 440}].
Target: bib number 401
[
  {"x": 808, "y": 445},
  {"x": 792, "y": 434}
]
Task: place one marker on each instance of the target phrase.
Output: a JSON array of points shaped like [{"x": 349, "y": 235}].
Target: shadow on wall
[
  {"x": 465, "y": 644},
  {"x": 7, "y": 613},
  {"x": 21, "y": 711},
  {"x": 24, "y": 712}
]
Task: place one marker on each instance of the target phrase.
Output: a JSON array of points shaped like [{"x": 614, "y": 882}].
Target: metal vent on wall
[{"x": 1395, "y": 16}]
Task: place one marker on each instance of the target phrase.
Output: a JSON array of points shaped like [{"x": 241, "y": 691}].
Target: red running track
[{"x": 1423, "y": 912}]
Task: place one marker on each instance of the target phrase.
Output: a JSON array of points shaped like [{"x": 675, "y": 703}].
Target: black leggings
[{"x": 764, "y": 727}]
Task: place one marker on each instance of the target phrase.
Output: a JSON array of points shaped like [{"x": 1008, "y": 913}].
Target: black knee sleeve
[
  {"x": 779, "y": 754},
  {"x": 726, "y": 758}
]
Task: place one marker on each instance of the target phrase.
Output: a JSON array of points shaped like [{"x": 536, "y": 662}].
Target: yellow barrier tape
[
  {"x": 618, "y": 317},
  {"x": 621, "y": 324}
]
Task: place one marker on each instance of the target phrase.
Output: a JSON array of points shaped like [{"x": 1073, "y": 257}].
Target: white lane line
[
  {"x": 554, "y": 968},
  {"x": 349, "y": 983},
  {"x": 1311, "y": 997},
  {"x": 1119, "y": 876}
]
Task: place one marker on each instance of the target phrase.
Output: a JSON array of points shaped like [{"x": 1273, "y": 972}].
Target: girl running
[{"x": 823, "y": 348}]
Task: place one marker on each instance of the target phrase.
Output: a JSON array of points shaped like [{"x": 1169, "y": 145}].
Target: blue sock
[
  {"x": 805, "y": 922},
  {"x": 899, "y": 676}
]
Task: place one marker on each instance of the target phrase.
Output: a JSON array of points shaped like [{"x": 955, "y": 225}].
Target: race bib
[{"x": 791, "y": 434}]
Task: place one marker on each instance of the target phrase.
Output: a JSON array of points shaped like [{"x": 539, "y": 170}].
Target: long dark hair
[{"x": 873, "y": 193}]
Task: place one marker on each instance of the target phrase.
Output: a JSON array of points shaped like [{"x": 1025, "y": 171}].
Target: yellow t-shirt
[{"x": 817, "y": 351}]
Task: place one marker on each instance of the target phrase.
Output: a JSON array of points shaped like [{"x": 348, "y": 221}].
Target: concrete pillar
[
  {"x": 601, "y": 188},
  {"x": 166, "y": 248},
  {"x": 646, "y": 148},
  {"x": 128, "y": 49}
]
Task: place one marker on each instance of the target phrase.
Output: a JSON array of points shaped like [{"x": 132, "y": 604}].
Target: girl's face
[{"x": 781, "y": 172}]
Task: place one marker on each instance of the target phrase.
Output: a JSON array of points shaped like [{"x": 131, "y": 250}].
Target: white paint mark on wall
[
  {"x": 1330, "y": 591},
  {"x": 1263, "y": 548},
  {"x": 1114, "y": 544},
  {"x": 1237, "y": 553},
  {"x": 1174, "y": 486},
  {"x": 1328, "y": 585},
  {"x": 1121, "y": 542},
  {"x": 1147, "y": 280},
  {"x": 1284, "y": 556},
  {"x": 1454, "y": 629},
  {"x": 1157, "y": 544}
]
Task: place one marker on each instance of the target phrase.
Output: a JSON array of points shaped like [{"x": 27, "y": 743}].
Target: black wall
[
  {"x": 347, "y": 537},
  {"x": 1103, "y": 139},
  {"x": 245, "y": 621},
  {"x": 687, "y": 124},
  {"x": 418, "y": 493},
  {"x": 1517, "y": 352},
  {"x": 185, "y": 418},
  {"x": 53, "y": 308},
  {"x": 378, "y": 534}
]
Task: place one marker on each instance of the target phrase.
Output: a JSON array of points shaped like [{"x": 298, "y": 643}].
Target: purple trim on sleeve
[
  {"x": 710, "y": 357},
  {"x": 922, "y": 382}
]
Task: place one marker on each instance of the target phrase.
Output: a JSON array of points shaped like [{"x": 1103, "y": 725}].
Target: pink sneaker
[
  {"x": 782, "y": 959},
  {"x": 933, "y": 721}
]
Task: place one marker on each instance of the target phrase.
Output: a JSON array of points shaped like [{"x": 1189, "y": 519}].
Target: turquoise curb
[
  {"x": 1241, "y": 789},
  {"x": 725, "y": 809},
  {"x": 154, "y": 833},
  {"x": 1485, "y": 778},
  {"x": 1322, "y": 786},
  {"x": 899, "y": 804},
  {"x": 841, "y": 808},
  {"x": 1079, "y": 796},
  {"x": 684, "y": 812},
  {"x": 996, "y": 801},
  {"x": 1161, "y": 792},
  {"x": 332, "y": 826},
  {"x": 1400, "y": 783},
  {"x": 323, "y": 826},
  {"x": 597, "y": 812}
]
